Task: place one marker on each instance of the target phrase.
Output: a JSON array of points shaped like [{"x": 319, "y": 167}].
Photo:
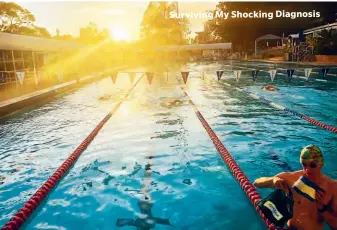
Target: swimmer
[
  {"x": 172, "y": 103},
  {"x": 270, "y": 88},
  {"x": 315, "y": 194},
  {"x": 175, "y": 102},
  {"x": 105, "y": 97}
]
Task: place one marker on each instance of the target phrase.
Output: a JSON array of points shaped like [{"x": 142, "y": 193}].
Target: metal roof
[
  {"x": 332, "y": 26},
  {"x": 320, "y": 28},
  {"x": 28, "y": 43},
  {"x": 294, "y": 35},
  {"x": 268, "y": 37},
  {"x": 212, "y": 46}
]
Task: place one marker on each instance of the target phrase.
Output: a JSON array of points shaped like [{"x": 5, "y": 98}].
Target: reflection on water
[{"x": 154, "y": 166}]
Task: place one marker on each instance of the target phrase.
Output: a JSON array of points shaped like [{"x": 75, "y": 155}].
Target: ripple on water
[{"x": 148, "y": 151}]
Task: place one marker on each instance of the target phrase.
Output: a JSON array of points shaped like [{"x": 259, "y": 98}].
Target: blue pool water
[{"x": 188, "y": 183}]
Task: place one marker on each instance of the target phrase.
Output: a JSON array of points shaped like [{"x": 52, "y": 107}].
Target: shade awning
[
  {"x": 28, "y": 43},
  {"x": 268, "y": 37},
  {"x": 212, "y": 46},
  {"x": 294, "y": 36}
]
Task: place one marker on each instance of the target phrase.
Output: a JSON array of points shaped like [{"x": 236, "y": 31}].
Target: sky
[{"x": 126, "y": 16}]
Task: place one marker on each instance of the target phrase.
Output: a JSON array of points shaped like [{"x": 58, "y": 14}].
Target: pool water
[{"x": 161, "y": 152}]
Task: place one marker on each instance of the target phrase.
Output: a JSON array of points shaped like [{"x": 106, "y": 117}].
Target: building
[
  {"x": 22, "y": 58},
  {"x": 198, "y": 51},
  {"x": 295, "y": 39}
]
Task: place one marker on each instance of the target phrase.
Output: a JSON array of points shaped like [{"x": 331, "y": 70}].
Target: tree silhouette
[
  {"x": 242, "y": 32},
  {"x": 157, "y": 28},
  {"x": 15, "y": 19}
]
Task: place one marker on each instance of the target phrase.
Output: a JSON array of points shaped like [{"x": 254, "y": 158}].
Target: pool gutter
[
  {"x": 9, "y": 107},
  {"x": 295, "y": 63}
]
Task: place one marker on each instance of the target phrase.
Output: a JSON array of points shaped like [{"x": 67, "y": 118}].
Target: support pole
[
  {"x": 255, "y": 48},
  {"x": 16, "y": 80},
  {"x": 3, "y": 56},
  {"x": 4, "y": 61},
  {"x": 35, "y": 77},
  {"x": 23, "y": 60}
]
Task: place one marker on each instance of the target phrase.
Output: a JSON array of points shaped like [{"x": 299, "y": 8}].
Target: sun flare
[{"x": 119, "y": 33}]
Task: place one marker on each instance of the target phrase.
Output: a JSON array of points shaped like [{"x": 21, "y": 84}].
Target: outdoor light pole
[{"x": 255, "y": 48}]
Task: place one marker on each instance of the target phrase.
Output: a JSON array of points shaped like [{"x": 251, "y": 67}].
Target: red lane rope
[
  {"x": 24, "y": 213},
  {"x": 244, "y": 182}
]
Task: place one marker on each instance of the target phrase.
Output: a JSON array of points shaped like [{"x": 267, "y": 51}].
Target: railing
[
  {"x": 234, "y": 56},
  {"x": 302, "y": 52}
]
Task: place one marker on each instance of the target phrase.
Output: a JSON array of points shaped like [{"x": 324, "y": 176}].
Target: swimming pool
[{"x": 189, "y": 184}]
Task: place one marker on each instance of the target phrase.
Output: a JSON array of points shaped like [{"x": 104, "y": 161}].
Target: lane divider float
[
  {"x": 244, "y": 182},
  {"x": 28, "y": 208}
]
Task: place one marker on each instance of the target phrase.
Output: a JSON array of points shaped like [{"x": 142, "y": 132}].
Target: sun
[{"x": 119, "y": 33}]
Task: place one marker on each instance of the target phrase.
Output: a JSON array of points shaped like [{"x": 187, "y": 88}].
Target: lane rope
[
  {"x": 28, "y": 208},
  {"x": 244, "y": 182},
  {"x": 280, "y": 107}
]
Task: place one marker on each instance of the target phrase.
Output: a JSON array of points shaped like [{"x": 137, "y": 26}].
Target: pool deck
[
  {"x": 10, "y": 106},
  {"x": 327, "y": 64}
]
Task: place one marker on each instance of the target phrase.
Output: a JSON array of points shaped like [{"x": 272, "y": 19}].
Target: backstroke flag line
[
  {"x": 60, "y": 76},
  {"x": 307, "y": 72},
  {"x": 114, "y": 77},
  {"x": 290, "y": 73},
  {"x": 272, "y": 73},
  {"x": 21, "y": 76},
  {"x": 325, "y": 72},
  {"x": 132, "y": 77},
  {"x": 237, "y": 74},
  {"x": 185, "y": 76},
  {"x": 219, "y": 74},
  {"x": 254, "y": 74},
  {"x": 40, "y": 75},
  {"x": 149, "y": 77}
]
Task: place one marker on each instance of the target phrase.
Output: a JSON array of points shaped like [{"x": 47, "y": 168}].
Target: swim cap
[{"x": 312, "y": 152}]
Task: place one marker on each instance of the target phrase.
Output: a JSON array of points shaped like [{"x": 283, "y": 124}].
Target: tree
[
  {"x": 324, "y": 44},
  {"x": 157, "y": 28},
  {"x": 13, "y": 16},
  {"x": 91, "y": 34},
  {"x": 242, "y": 32},
  {"x": 17, "y": 20}
]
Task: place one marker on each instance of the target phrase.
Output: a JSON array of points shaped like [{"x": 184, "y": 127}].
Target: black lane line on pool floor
[
  {"x": 28, "y": 208},
  {"x": 238, "y": 174},
  {"x": 145, "y": 205}
]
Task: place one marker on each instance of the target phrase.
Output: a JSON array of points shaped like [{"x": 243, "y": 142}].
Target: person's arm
[
  {"x": 264, "y": 182},
  {"x": 269, "y": 182},
  {"x": 330, "y": 214},
  {"x": 279, "y": 181}
]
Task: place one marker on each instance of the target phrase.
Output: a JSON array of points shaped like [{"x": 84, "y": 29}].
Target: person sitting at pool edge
[
  {"x": 315, "y": 194},
  {"x": 270, "y": 88}
]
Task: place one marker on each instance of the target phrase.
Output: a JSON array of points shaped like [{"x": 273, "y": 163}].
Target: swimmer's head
[
  {"x": 311, "y": 159},
  {"x": 270, "y": 88}
]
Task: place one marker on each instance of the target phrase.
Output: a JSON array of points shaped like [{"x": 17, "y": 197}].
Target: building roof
[
  {"x": 319, "y": 28},
  {"x": 28, "y": 43},
  {"x": 212, "y": 46},
  {"x": 316, "y": 29},
  {"x": 294, "y": 36},
  {"x": 268, "y": 37}
]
